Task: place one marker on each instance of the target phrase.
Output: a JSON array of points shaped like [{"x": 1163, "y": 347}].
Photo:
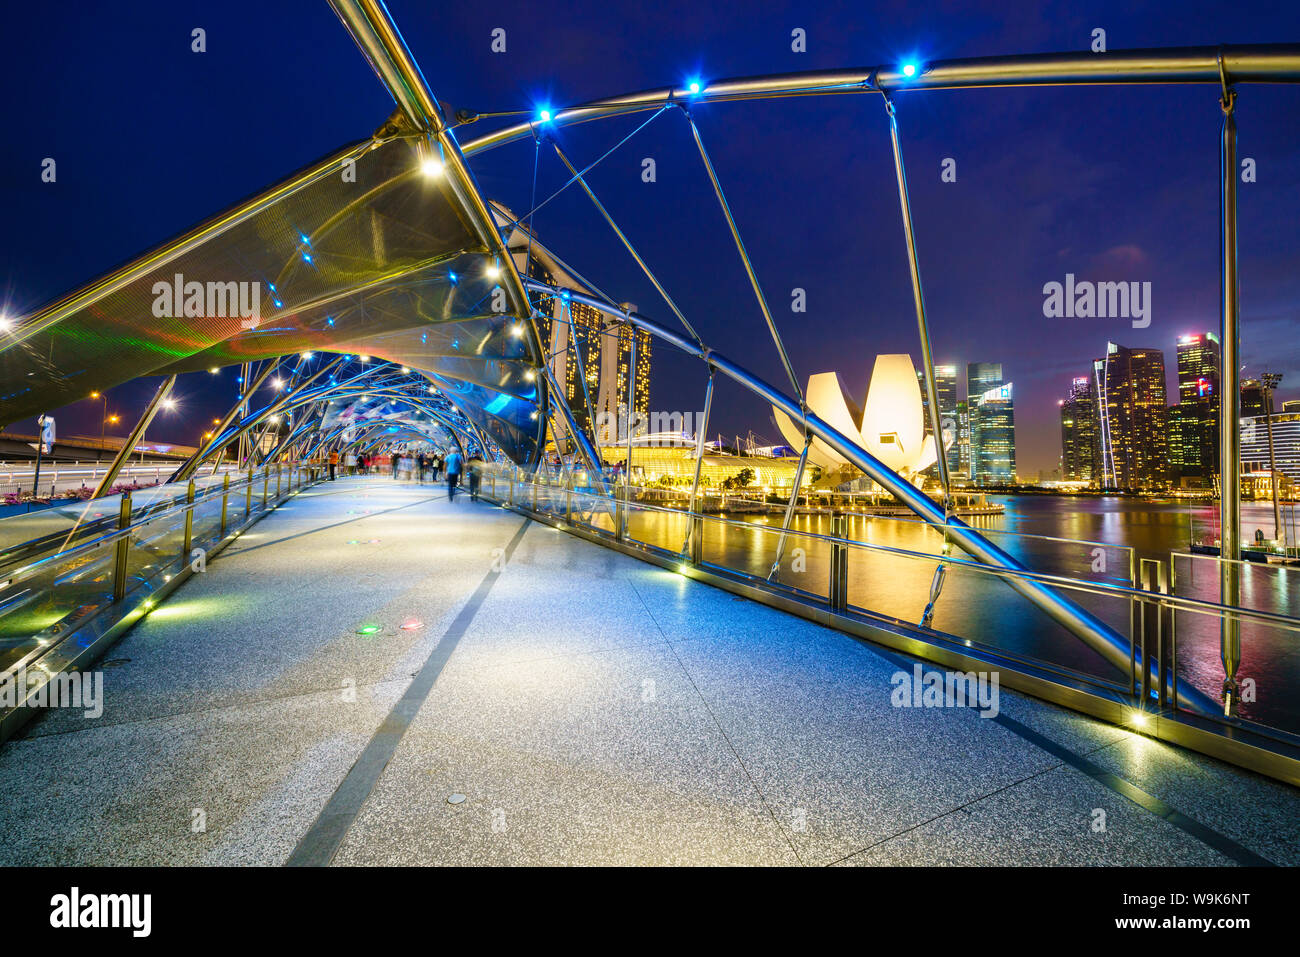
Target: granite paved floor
[{"x": 529, "y": 698}]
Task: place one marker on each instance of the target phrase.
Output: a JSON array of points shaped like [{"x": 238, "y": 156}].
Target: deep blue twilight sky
[{"x": 1108, "y": 183}]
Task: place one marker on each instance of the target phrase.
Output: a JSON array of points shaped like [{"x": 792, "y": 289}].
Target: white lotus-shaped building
[{"x": 891, "y": 424}]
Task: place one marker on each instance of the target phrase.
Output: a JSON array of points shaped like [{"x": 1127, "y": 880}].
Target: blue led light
[
  {"x": 329, "y": 320},
  {"x": 909, "y": 69},
  {"x": 544, "y": 116},
  {"x": 278, "y": 303},
  {"x": 694, "y": 86},
  {"x": 304, "y": 238},
  {"x": 452, "y": 277},
  {"x": 271, "y": 285},
  {"x": 306, "y": 258}
]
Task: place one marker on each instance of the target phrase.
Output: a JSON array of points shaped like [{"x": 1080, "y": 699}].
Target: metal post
[
  {"x": 266, "y": 484},
  {"x": 122, "y": 549},
  {"x": 1157, "y": 637},
  {"x": 923, "y": 329},
  {"x": 279, "y": 475},
  {"x": 1134, "y": 620},
  {"x": 189, "y": 521},
  {"x": 225, "y": 503},
  {"x": 1229, "y": 412},
  {"x": 1271, "y": 381},
  {"x": 40, "y": 447},
  {"x": 626, "y": 527},
  {"x": 691, "y": 544},
  {"x": 839, "y": 574},
  {"x": 745, "y": 261}
]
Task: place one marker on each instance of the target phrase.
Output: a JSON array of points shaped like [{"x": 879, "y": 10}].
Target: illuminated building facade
[
  {"x": 1253, "y": 399},
  {"x": 1133, "y": 420},
  {"x": 992, "y": 425},
  {"x": 1194, "y": 421},
  {"x": 945, "y": 383},
  {"x": 1080, "y": 442},
  {"x": 590, "y": 357},
  {"x": 1286, "y": 444},
  {"x": 993, "y": 437},
  {"x": 615, "y": 366}
]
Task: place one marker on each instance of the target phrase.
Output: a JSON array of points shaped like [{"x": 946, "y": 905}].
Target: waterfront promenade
[{"x": 372, "y": 675}]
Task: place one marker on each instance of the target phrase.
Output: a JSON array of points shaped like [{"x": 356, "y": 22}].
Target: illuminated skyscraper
[
  {"x": 990, "y": 461},
  {"x": 1252, "y": 399},
  {"x": 1133, "y": 421},
  {"x": 945, "y": 383},
  {"x": 590, "y": 357},
  {"x": 616, "y": 359},
  {"x": 1080, "y": 445},
  {"x": 1194, "y": 421}
]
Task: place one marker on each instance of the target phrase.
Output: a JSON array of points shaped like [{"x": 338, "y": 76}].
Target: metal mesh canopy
[
  {"x": 372, "y": 417},
  {"x": 362, "y": 253}
]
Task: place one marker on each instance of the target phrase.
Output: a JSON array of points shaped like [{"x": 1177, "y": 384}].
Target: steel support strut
[
  {"x": 1229, "y": 411},
  {"x": 375, "y": 33},
  {"x": 693, "y": 546},
  {"x": 128, "y": 446},
  {"x": 790, "y": 506},
  {"x": 922, "y": 327}
]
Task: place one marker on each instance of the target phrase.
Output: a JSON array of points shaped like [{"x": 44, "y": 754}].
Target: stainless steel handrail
[
  {"x": 1100, "y": 588},
  {"x": 146, "y": 517}
]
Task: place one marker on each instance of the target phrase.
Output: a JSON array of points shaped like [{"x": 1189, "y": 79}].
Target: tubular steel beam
[
  {"x": 128, "y": 446},
  {"x": 377, "y": 35},
  {"x": 1095, "y": 633},
  {"x": 1229, "y": 411},
  {"x": 746, "y": 261},
  {"x": 1243, "y": 64},
  {"x": 923, "y": 328},
  {"x": 216, "y": 443},
  {"x": 627, "y": 244},
  {"x": 702, "y": 430}
]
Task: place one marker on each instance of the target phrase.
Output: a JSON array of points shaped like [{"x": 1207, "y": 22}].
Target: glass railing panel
[
  {"x": 657, "y": 528},
  {"x": 36, "y": 610},
  {"x": 155, "y": 552},
  {"x": 83, "y": 518}
]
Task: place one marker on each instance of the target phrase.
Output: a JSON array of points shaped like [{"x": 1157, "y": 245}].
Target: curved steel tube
[
  {"x": 374, "y": 31},
  {"x": 1243, "y": 64}
]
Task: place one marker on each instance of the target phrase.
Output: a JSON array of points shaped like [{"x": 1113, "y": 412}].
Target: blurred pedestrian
[{"x": 453, "y": 463}]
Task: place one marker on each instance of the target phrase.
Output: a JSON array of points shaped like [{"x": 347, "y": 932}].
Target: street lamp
[{"x": 103, "y": 414}]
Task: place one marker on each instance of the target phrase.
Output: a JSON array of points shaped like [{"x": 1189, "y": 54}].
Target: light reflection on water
[{"x": 979, "y": 607}]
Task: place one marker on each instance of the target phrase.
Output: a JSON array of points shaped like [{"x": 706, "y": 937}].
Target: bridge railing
[
  {"x": 905, "y": 591},
  {"x": 73, "y": 577}
]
